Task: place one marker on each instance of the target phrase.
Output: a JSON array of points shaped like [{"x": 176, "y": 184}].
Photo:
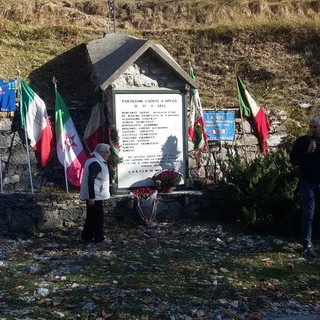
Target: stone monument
[{"x": 144, "y": 92}]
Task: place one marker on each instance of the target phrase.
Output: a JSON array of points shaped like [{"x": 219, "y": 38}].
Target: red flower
[
  {"x": 168, "y": 178},
  {"x": 143, "y": 192}
]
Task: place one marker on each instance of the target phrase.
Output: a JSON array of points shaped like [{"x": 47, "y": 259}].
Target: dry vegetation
[{"x": 273, "y": 44}]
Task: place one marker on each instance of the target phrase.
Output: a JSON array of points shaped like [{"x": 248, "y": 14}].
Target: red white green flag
[
  {"x": 70, "y": 151},
  {"x": 34, "y": 118},
  {"x": 114, "y": 149},
  {"x": 96, "y": 129},
  {"x": 248, "y": 107},
  {"x": 196, "y": 120}
]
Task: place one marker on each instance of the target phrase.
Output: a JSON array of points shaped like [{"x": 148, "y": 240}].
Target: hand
[
  {"x": 90, "y": 202},
  {"x": 312, "y": 146}
]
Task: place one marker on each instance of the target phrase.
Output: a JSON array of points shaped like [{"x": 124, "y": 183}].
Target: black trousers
[{"x": 93, "y": 227}]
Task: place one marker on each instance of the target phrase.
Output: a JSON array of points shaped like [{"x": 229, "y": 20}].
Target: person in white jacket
[{"x": 94, "y": 189}]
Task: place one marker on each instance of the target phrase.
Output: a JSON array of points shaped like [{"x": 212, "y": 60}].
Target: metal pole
[
  {"x": 1, "y": 181},
  {"x": 26, "y": 139},
  {"x": 109, "y": 16},
  {"x": 114, "y": 17},
  {"x": 28, "y": 156},
  {"x": 112, "y": 14},
  {"x": 65, "y": 174},
  {"x": 54, "y": 80},
  {"x": 244, "y": 134}
]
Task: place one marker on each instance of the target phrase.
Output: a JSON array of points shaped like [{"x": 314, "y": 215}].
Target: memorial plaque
[
  {"x": 152, "y": 135},
  {"x": 220, "y": 125}
]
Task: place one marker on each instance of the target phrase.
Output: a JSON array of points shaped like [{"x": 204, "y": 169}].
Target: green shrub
[{"x": 265, "y": 191}]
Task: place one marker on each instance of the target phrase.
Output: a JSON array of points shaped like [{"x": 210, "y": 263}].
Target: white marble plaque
[{"x": 151, "y": 136}]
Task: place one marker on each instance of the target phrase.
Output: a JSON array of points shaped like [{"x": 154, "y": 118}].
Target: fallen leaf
[{"x": 148, "y": 301}]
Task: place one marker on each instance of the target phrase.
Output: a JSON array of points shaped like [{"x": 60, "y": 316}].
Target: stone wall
[
  {"x": 14, "y": 157},
  {"x": 25, "y": 212},
  {"x": 246, "y": 144}
]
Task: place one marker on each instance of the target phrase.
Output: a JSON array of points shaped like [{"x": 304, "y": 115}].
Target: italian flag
[
  {"x": 70, "y": 151},
  {"x": 114, "y": 149},
  {"x": 196, "y": 120},
  {"x": 96, "y": 129},
  {"x": 34, "y": 119},
  {"x": 248, "y": 107}
]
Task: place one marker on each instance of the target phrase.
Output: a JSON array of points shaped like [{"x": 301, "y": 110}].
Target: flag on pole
[
  {"x": 248, "y": 107},
  {"x": 96, "y": 129},
  {"x": 7, "y": 95},
  {"x": 115, "y": 150},
  {"x": 34, "y": 119},
  {"x": 70, "y": 151},
  {"x": 196, "y": 120}
]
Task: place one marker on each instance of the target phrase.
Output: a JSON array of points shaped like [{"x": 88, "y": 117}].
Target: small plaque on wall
[{"x": 220, "y": 125}]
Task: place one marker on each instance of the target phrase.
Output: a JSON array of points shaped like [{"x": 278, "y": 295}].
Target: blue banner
[
  {"x": 219, "y": 125},
  {"x": 7, "y": 95}
]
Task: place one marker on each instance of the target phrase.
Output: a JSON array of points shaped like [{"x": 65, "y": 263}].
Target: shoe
[
  {"x": 99, "y": 240},
  {"x": 104, "y": 241},
  {"x": 309, "y": 253}
]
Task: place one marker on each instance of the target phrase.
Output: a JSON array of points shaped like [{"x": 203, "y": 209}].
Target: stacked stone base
[{"x": 24, "y": 212}]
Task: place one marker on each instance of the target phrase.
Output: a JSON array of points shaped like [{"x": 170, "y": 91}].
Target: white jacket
[{"x": 101, "y": 183}]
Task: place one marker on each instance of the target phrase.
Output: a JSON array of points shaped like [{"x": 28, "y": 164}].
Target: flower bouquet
[
  {"x": 146, "y": 203},
  {"x": 166, "y": 179}
]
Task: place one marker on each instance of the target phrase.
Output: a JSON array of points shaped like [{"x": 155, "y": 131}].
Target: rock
[
  {"x": 31, "y": 269},
  {"x": 42, "y": 292}
]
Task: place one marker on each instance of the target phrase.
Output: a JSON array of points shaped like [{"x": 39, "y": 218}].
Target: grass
[
  {"x": 277, "y": 58},
  {"x": 155, "y": 272}
]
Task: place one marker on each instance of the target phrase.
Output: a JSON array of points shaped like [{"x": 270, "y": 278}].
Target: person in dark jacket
[
  {"x": 306, "y": 154},
  {"x": 95, "y": 188}
]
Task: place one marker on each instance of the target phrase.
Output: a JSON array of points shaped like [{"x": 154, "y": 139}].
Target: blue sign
[
  {"x": 219, "y": 125},
  {"x": 7, "y": 95}
]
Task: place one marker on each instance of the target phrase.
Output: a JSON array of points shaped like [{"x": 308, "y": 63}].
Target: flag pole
[
  {"x": 220, "y": 146},
  {"x": 28, "y": 156},
  {"x": 26, "y": 137},
  {"x": 244, "y": 136},
  {"x": 209, "y": 160},
  {"x": 242, "y": 123},
  {"x": 54, "y": 80},
  {"x": 1, "y": 181},
  {"x": 207, "y": 148},
  {"x": 65, "y": 175},
  {"x": 206, "y": 163}
]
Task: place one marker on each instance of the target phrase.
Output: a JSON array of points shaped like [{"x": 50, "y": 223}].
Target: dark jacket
[{"x": 309, "y": 163}]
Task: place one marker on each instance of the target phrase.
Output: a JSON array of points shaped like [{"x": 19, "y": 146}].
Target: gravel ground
[
  {"x": 54, "y": 264},
  {"x": 296, "y": 317}
]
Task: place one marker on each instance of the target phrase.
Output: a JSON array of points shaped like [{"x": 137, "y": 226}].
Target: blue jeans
[{"x": 309, "y": 195}]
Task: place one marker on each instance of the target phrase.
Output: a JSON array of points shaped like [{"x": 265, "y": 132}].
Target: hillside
[{"x": 274, "y": 45}]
